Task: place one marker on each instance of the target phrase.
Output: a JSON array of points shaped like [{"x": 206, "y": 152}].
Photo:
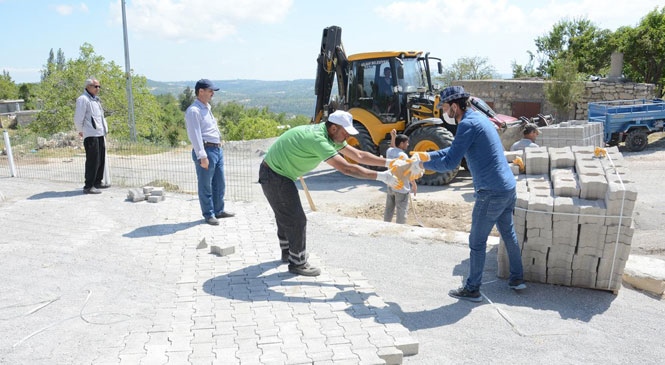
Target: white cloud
[
  {"x": 64, "y": 9},
  {"x": 184, "y": 20},
  {"x": 69, "y": 9},
  {"x": 491, "y": 16}
]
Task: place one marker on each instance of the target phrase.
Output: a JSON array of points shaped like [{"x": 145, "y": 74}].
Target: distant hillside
[{"x": 290, "y": 97}]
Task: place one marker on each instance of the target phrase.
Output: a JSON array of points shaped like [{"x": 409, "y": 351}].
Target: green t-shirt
[{"x": 301, "y": 149}]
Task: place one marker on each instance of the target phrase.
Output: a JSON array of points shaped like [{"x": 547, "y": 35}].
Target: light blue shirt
[
  {"x": 522, "y": 144},
  {"x": 201, "y": 127}
]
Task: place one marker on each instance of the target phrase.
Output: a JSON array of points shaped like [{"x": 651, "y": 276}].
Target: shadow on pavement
[
  {"x": 161, "y": 229},
  {"x": 56, "y": 194},
  {"x": 569, "y": 302},
  {"x": 257, "y": 283}
]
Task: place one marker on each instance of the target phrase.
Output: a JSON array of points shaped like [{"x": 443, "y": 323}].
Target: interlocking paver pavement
[
  {"x": 95, "y": 279},
  {"x": 102, "y": 280}
]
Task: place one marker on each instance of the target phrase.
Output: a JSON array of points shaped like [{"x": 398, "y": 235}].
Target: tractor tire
[
  {"x": 363, "y": 141},
  {"x": 636, "y": 140},
  {"x": 432, "y": 138}
]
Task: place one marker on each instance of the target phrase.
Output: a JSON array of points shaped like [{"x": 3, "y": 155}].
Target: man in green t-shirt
[{"x": 296, "y": 152}]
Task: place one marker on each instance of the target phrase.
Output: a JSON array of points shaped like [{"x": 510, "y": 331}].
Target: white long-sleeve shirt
[
  {"x": 89, "y": 116},
  {"x": 201, "y": 127}
]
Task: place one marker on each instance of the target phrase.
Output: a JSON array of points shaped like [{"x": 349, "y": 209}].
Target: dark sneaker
[
  {"x": 462, "y": 293},
  {"x": 305, "y": 270},
  {"x": 517, "y": 284},
  {"x": 224, "y": 215},
  {"x": 212, "y": 221},
  {"x": 92, "y": 190},
  {"x": 285, "y": 255}
]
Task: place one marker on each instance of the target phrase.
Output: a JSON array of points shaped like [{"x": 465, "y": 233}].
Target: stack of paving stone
[
  {"x": 573, "y": 217},
  {"x": 571, "y": 133},
  {"x": 150, "y": 193}
]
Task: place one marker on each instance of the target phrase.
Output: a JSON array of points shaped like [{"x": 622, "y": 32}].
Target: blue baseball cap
[
  {"x": 205, "y": 84},
  {"x": 452, "y": 93}
]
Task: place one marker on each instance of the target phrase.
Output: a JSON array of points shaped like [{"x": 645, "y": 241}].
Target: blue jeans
[
  {"x": 492, "y": 207},
  {"x": 211, "y": 185}
]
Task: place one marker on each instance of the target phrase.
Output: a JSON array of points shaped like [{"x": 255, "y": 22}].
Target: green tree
[
  {"x": 644, "y": 49},
  {"x": 528, "y": 70},
  {"x": 49, "y": 67},
  {"x": 173, "y": 119},
  {"x": 26, "y": 92},
  {"x": 8, "y": 89},
  {"x": 298, "y": 120},
  {"x": 60, "y": 60},
  {"x": 468, "y": 68},
  {"x": 578, "y": 39},
  {"x": 59, "y": 90},
  {"x": 186, "y": 98},
  {"x": 252, "y": 127},
  {"x": 565, "y": 87}
]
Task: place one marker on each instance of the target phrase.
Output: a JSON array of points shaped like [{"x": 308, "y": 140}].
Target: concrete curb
[{"x": 645, "y": 273}]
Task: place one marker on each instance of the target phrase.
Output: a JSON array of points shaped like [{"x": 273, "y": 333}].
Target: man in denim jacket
[{"x": 493, "y": 182}]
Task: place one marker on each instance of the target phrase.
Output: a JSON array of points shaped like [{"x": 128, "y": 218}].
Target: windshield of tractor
[
  {"x": 371, "y": 81},
  {"x": 414, "y": 75}
]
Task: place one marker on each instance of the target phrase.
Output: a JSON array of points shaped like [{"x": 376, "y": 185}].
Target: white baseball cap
[{"x": 344, "y": 119}]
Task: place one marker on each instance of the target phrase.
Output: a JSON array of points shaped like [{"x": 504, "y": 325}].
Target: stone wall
[
  {"x": 10, "y": 106},
  {"x": 503, "y": 93}
]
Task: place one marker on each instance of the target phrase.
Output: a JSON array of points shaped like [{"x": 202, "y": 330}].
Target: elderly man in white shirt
[{"x": 91, "y": 125}]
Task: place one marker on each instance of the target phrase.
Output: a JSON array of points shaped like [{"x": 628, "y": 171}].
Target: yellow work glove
[
  {"x": 518, "y": 161},
  {"x": 410, "y": 170},
  {"x": 391, "y": 162},
  {"x": 600, "y": 152},
  {"x": 421, "y": 156}
]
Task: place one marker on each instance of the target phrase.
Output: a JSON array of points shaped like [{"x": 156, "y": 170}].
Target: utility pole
[{"x": 128, "y": 78}]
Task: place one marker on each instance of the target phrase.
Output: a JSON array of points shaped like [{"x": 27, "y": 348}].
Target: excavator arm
[{"x": 331, "y": 62}]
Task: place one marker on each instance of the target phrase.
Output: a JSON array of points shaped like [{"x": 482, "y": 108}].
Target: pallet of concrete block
[
  {"x": 151, "y": 194},
  {"x": 574, "y": 223},
  {"x": 571, "y": 133}
]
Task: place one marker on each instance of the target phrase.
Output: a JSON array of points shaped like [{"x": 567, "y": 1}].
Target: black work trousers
[
  {"x": 95, "y": 157},
  {"x": 282, "y": 195}
]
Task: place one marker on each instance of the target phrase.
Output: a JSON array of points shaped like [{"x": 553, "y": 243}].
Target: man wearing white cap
[
  {"x": 493, "y": 183},
  {"x": 296, "y": 152}
]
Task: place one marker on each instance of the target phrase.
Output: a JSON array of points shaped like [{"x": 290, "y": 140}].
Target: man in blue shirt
[
  {"x": 207, "y": 153},
  {"x": 493, "y": 182}
]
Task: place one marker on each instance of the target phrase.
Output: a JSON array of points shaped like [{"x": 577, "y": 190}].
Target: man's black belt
[{"x": 208, "y": 144}]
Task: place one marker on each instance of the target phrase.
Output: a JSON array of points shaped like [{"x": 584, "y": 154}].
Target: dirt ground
[{"x": 433, "y": 214}]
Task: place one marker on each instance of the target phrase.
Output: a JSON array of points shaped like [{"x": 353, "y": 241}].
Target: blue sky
[{"x": 177, "y": 40}]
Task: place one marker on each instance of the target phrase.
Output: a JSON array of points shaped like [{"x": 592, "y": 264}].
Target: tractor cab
[{"x": 382, "y": 82}]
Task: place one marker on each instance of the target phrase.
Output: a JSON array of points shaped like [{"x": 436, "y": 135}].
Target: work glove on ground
[{"x": 390, "y": 180}]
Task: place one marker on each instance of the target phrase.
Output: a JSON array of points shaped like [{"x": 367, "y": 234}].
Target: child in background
[{"x": 398, "y": 199}]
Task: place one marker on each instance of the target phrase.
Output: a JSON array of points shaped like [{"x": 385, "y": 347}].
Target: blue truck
[{"x": 629, "y": 121}]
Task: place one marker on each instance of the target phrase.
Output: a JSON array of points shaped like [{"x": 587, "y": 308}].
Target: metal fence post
[{"x": 10, "y": 156}]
